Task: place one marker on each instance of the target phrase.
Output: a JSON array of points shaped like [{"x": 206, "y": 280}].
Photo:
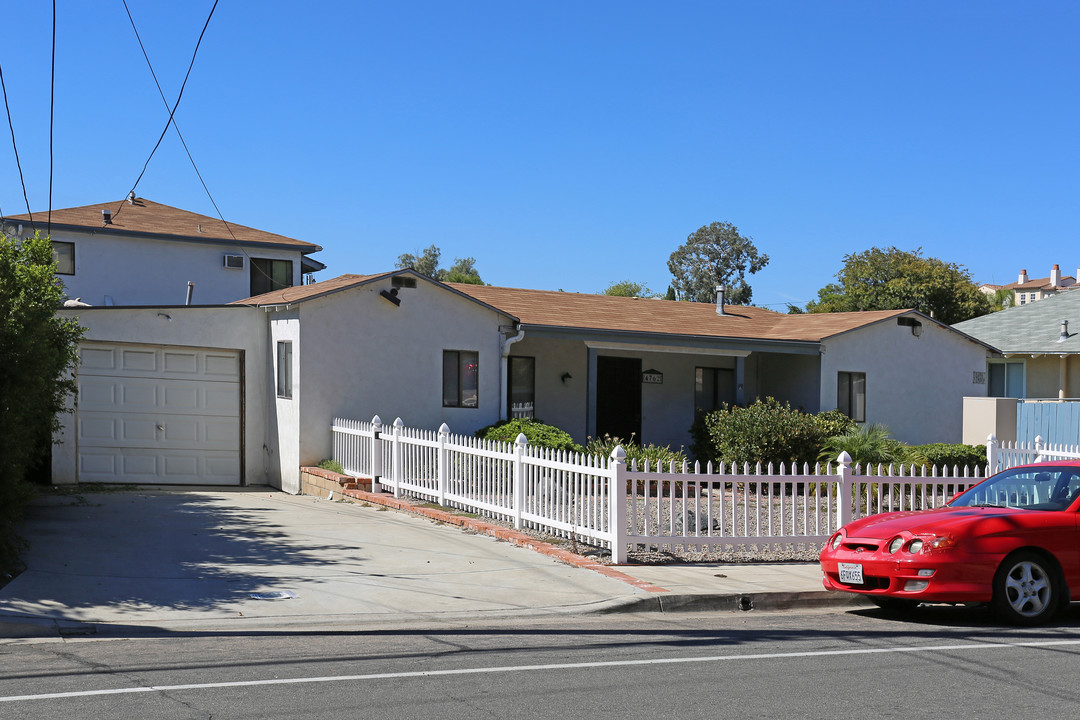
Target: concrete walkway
[{"x": 239, "y": 559}]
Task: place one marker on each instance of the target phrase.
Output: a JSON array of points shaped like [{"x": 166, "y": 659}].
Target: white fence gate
[{"x": 603, "y": 501}]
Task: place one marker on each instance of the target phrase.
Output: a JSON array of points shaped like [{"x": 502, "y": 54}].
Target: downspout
[{"x": 504, "y": 379}]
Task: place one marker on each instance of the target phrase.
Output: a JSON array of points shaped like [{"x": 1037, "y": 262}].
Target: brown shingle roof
[
  {"x": 605, "y": 312},
  {"x": 148, "y": 217},
  {"x": 306, "y": 292}
]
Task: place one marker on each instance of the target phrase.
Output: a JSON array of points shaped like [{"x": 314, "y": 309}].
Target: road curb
[{"x": 732, "y": 602}]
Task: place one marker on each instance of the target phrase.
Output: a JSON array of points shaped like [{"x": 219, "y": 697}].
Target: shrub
[
  {"x": 766, "y": 431},
  {"x": 869, "y": 446},
  {"x": 655, "y": 455},
  {"x": 945, "y": 455},
  {"x": 536, "y": 432},
  {"x": 332, "y": 466}
]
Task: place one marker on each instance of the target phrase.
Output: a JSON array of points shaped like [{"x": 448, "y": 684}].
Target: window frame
[
  {"x": 284, "y": 369},
  {"x": 265, "y": 275},
  {"x": 847, "y": 382},
  {"x": 699, "y": 376},
  {"x": 455, "y": 376},
  {"x": 511, "y": 361},
  {"x": 56, "y": 256},
  {"x": 1007, "y": 390}
]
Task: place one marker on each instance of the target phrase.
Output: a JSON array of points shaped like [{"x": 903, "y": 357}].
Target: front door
[{"x": 618, "y": 397}]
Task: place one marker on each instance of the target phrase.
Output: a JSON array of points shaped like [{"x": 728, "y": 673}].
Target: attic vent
[
  {"x": 234, "y": 262},
  {"x": 106, "y": 217},
  {"x": 403, "y": 282},
  {"x": 915, "y": 325}
]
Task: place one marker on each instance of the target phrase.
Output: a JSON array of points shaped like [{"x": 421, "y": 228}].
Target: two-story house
[{"x": 139, "y": 252}]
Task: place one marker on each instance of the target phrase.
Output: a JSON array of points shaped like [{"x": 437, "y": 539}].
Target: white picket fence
[{"x": 602, "y": 501}]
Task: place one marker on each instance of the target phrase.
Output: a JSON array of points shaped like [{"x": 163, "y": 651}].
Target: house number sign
[{"x": 652, "y": 377}]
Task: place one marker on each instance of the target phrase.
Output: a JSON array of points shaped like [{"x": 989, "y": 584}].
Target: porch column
[
  {"x": 1062, "y": 377},
  {"x": 590, "y": 395},
  {"x": 740, "y": 377}
]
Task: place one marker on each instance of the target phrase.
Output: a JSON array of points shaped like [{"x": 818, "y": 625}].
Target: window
[
  {"x": 712, "y": 388},
  {"x": 284, "y": 369},
  {"x": 521, "y": 389},
  {"x": 64, "y": 255},
  {"x": 1005, "y": 379},
  {"x": 460, "y": 378},
  {"x": 270, "y": 275},
  {"x": 1023, "y": 298},
  {"x": 851, "y": 395}
]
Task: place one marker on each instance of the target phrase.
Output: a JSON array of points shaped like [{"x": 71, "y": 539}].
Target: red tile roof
[{"x": 148, "y": 217}]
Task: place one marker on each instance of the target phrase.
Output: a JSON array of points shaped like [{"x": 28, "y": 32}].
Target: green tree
[
  {"x": 462, "y": 271},
  {"x": 892, "y": 279},
  {"x": 427, "y": 263},
  {"x": 38, "y": 354},
  {"x": 629, "y": 288},
  {"x": 715, "y": 254}
]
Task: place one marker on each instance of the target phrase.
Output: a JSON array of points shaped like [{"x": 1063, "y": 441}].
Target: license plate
[{"x": 851, "y": 573}]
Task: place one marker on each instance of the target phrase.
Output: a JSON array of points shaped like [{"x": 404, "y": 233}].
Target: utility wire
[
  {"x": 52, "y": 112},
  {"x": 180, "y": 135},
  {"x": 14, "y": 146},
  {"x": 175, "y": 105}
]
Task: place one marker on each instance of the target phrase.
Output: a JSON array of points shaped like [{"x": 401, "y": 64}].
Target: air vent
[
  {"x": 234, "y": 262},
  {"x": 400, "y": 281}
]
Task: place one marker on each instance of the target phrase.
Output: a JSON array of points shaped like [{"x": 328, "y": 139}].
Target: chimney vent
[
  {"x": 720, "y": 290},
  {"x": 1023, "y": 277},
  {"x": 106, "y": 217},
  {"x": 1064, "y": 331},
  {"x": 131, "y": 198}
]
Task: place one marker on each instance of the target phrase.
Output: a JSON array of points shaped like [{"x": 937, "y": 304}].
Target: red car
[{"x": 1012, "y": 540}]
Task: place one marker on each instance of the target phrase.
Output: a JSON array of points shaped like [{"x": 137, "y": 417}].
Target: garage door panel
[
  {"x": 146, "y": 466},
  {"x": 150, "y": 414}
]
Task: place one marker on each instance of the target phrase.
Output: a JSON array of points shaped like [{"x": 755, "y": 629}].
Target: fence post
[
  {"x": 519, "y": 478},
  {"x": 376, "y": 454},
  {"x": 443, "y": 471},
  {"x": 1040, "y": 446},
  {"x": 993, "y": 454},
  {"x": 617, "y": 516},
  {"x": 847, "y": 481},
  {"x": 395, "y": 458}
]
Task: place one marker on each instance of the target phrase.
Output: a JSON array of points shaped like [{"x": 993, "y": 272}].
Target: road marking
[{"x": 534, "y": 668}]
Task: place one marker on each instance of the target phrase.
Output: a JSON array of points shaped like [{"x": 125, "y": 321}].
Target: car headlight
[
  {"x": 941, "y": 542},
  {"x": 896, "y": 544},
  {"x": 836, "y": 540},
  {"x": 915, "y": 546}
]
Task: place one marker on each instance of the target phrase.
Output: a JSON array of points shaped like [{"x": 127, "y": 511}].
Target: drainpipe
[{"x": 504, "y": 369}]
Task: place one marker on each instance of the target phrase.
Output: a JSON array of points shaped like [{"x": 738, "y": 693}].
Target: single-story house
[
  {"x": 1039, "y": 359},
  {"x": 246, "y": 392},
  {"x": 139, "y": 252}
]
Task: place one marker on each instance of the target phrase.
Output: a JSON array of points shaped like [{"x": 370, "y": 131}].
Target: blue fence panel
[{"x": 1056, "y": 422}]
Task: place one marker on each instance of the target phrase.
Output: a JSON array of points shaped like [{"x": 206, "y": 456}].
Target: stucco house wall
[
  {"x": 141, "y": 271},
  {"x": 558, "y": 403},
  {"x": 360, "y": 356},
  {"x": 794, "y": 378},
  {"x": 914, "y": 384},
  {"x": 284, "y": 326},
  {"x": 228, "y": 328}
]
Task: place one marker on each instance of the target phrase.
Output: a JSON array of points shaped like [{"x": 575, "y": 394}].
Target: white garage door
[{"x": 158, "y": 414}]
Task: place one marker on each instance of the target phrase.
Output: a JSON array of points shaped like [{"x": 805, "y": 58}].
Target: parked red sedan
[{"x": 1012, "y": 540}]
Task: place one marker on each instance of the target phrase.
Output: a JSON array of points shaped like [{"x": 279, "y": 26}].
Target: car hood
[{"x": 938, "y": 521}]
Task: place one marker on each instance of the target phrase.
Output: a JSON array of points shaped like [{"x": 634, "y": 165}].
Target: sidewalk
[{"x": 227, "y": 560}]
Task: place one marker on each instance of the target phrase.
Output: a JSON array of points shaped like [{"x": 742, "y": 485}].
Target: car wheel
[
  {"x": 1026, "y": 589},
  {"x": 894, "y": 606}
]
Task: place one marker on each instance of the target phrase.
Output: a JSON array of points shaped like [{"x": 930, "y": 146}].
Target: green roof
[{"x": 1033, "y": 328}]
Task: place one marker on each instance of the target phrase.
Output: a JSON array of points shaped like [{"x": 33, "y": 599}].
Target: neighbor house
[
  {"x": 246, "y": 392},
  {"x": 1039, "y": 360},
  {"x": 1028, "y": 290},
  {"x": 139, "y": 252}
]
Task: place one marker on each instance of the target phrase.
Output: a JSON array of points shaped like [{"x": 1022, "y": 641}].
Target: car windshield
[{"x": 1030, "y": 488}]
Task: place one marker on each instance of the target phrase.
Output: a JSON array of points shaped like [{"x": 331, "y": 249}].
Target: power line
[
  {"x": 52, "y": 107},
  {"x": 175, "y": 105},
  {"x": 14, "y": 146},
  {"x": 172, "y": 121}
]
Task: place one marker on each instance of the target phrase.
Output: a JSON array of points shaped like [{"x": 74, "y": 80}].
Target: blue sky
[{"x": 569, "y": 145}]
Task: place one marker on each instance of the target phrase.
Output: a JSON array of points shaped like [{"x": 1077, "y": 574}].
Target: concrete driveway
[{"x": 196, "y": 558}]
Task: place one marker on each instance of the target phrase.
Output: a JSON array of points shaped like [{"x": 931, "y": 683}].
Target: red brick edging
[{"x": 497, "y": 531}]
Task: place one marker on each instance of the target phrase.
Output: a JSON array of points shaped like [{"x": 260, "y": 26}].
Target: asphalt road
[{"x": 943, "y": 662}]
